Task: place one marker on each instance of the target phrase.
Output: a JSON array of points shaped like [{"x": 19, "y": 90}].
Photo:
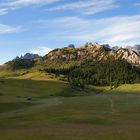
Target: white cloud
[
  {"x": 120, "y": 30},
  {"x": 82, "y": 6},
  {"x": 41, "y": 51},
  {"x": 64, "y": 22},
  {"x": 3, "y": 11},
  {"x": 14, "y": 4},
  {"x": 5, "y": 29},
  {"x": 20, "y": 3},
  {"x": 87, "y": 6}
]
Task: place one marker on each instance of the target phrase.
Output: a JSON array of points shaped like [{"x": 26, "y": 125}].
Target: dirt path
[{"x": 112, "y": 106}]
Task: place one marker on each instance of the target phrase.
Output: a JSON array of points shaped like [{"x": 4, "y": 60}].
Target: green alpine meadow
[
  {"x": 59, "y": 112},
  {"x": 71, "y": 98},
  {"x": 69, "y": 69}
]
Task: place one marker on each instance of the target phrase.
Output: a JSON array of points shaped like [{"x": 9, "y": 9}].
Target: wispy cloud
[
  {"x": 3, "y": 11},
  {"x": 87, "y": 6},
  {"x": 14, "y": 4},
  {"x": 120, "y": 30},
  {"x": 6, "y": 29},
  {"x": 21, "y": 3},
  {"x": 137, "y": 4},
  {"x": 41, "y": 51}
]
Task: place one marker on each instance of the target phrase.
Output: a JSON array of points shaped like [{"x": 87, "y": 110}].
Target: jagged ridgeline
[
  {"x": 90, "y": 64},
  {"x": 23, "y": 62}
]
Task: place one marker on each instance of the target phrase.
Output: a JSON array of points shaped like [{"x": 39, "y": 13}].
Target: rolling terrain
[
  {"x": 93, "y": 64},
  {"x": 69, "y": 69},
  {"x": 58, "y": 112},
  {"x": 86, "y": 93}
]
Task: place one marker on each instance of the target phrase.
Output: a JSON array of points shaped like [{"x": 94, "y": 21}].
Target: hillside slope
[
  {"x": 50, "y": 116},
  {"x": 91, "y": 64},
  {"x": 94, "y": 52}
]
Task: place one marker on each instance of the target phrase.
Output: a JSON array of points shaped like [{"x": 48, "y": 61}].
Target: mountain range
[
  {"x": 94, "y": 52},
  {"x": 64, "y": 57},
  {"x": 94, "y": 64},
  {"x": 28, "y": 56}
]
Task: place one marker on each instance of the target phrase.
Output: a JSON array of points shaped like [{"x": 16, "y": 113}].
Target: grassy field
[{"x": 57, "y": 112}]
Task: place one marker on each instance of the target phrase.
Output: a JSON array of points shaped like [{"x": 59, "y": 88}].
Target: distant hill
[
  {"x": 95, "y": 52},
  {"x": 94, "y": 64},
  {"x": 29, "y": 56},
  {"x": 89, "y": 64},
  {"x": 23, "y": 62},
  {"x": 71, "y": 56}
]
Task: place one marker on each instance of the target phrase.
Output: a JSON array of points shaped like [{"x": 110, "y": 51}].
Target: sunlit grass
[{"x": 83, "y": 116}]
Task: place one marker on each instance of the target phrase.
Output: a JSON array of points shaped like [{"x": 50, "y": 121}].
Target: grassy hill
[
  {"x": 92, "y": 64},
  {"x": 52, "y": 114},
  {"x": 127, "y": 88}
]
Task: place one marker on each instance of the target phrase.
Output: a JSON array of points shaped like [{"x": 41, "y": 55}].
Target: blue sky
[{"x": 38, "y": 26}]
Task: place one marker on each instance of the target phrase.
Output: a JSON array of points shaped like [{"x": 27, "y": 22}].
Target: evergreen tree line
[
  {"x": 60, "y": 71},
  {"x": 105, "y": 73},
  {"x": 108, "y": 72},
  {"x": 100, "y": 73},
  {"x": 21, "y": 63}
]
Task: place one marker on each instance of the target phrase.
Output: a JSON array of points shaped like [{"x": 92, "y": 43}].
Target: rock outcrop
[
  {"x": 30, "y": 56},
  {"x": 135, "y": 48},
  {"x": 96, "y": 52}
]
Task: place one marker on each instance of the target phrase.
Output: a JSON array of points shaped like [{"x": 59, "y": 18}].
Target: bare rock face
[
  {"x": 129, "y": 55},
  {"x": 68, "y": 54},
  {"x": 124, "y": 53},
  {"x": 93, "y": 47},
  {"x": 134, "y": 58},
  {"x": 63, "y": 54},
  {"x": 28, "y": 56},
  {"x": 135, "y": 48},
  {"x": 96, "y": 52}
]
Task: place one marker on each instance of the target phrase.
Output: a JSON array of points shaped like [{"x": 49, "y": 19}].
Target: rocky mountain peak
[
  {"x": 135, "y": 48},
  {"x": 92, "y": 47},
  {"x": 29, "y": 56},
  {"x": 95, "y": 52}
]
